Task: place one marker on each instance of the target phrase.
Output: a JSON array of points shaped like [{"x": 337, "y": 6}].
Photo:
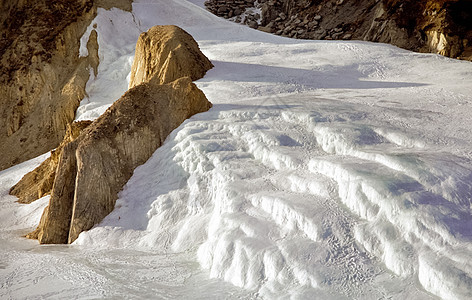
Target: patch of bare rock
[
  {"x": 166, "y": 53},
  {"x": 93, "y": 167},
  {"x": 42, "y": 77},
  {"x": 39, "y": 182},
  {"x": 436, "y": 26}
]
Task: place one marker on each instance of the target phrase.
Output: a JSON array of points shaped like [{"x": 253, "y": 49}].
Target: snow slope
[{"x": 327, "y": 169}]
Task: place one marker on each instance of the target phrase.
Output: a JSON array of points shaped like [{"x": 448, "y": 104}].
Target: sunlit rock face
[
  {"x": 166, "y": 53},
  {"x": 436, "y": 26},
  {"x": 93, "y": 168},
  {"x": 42, "y": 78}
]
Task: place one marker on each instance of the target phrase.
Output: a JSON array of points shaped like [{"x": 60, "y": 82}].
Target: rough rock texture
[
  {"x": 39, "y": 182},
  {"x": 166, "y": 53},
  {"x": 42, "y": 78},
  {"x": 94, "y": 167},
  {"x": 437, "y": 26}
]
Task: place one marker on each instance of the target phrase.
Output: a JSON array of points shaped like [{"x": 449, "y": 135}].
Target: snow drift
[{"x": 339, "y": 170}]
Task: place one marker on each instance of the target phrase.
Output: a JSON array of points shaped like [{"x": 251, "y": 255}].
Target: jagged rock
[
  {"x": 94, "y": 167},
  {"x": 166, "y": 53},
  {"x": 252, "y": 24},
  {"x": 39, "y": 182}
]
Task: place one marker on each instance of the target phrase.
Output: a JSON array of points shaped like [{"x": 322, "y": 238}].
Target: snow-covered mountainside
[{"x": 334, "y": 170}]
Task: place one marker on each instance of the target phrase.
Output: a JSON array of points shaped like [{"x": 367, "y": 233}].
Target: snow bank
[{"x": 325, "y": 169}]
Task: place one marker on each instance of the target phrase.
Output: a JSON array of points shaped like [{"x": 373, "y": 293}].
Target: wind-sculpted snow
[
  {"x": 273, "y": 196},
  {"x": 324, "y": 170}
]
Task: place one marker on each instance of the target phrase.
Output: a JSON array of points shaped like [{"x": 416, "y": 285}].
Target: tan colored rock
[
  {"x": 39, "y": 182},
  {"x": 125, "y": 5},
  {"x": 94, "y": 167},
  {"x": 42, "y": 78},
  {"x": 166, "y": 53}
]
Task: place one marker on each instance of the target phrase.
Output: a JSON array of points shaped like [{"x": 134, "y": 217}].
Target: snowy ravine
[{"x": 324, "y": 170}]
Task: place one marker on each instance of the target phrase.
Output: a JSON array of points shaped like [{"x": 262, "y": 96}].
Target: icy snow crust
[{"x": 334, "y": 170}]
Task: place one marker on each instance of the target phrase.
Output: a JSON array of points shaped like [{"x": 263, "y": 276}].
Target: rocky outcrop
[
  {"x": 166, "y": 53},
  {"x": 39, "y": 182},
  {"x": 437, "y": 26},
  {"x": 93, "y": 168},
  {"x": 42, "y": 78}
]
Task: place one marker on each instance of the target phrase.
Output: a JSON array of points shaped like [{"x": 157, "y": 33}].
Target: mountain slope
[{"x": 325, "y": 169}]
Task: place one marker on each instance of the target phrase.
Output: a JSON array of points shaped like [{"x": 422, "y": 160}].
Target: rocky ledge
[{"x": 436, "y": 26}]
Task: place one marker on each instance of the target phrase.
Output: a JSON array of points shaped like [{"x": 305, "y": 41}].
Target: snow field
[
  {"x": 244, "y": 208},
  {"x": 336, "y": 170}
]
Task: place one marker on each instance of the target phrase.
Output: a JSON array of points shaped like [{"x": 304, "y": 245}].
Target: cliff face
[
  {"x": 437, "y": 26},
  {"x": 92, "y": 168},
  {"x": 42, "y": 78}
]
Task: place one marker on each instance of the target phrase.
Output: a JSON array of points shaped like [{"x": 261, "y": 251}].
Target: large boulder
[
  {"x": 166, "y": 53},
  {"x": 94, "y": 167}
]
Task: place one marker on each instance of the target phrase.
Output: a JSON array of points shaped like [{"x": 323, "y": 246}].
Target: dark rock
[{"x": 253, "y": 24}]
